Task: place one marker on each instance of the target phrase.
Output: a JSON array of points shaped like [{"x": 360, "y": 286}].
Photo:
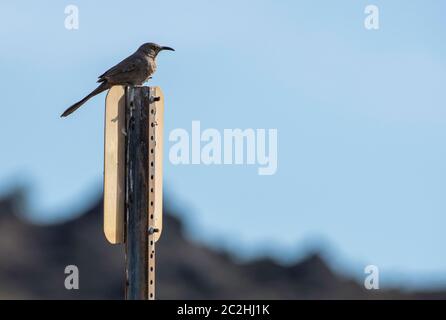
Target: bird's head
[{"x": 152, "y": 49}]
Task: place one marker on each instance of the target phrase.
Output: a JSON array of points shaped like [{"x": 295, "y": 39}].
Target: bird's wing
[{"x": 127, "y": 65}]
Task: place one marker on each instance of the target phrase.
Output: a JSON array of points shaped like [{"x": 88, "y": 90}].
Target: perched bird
[{"x": 134, "y": 70}]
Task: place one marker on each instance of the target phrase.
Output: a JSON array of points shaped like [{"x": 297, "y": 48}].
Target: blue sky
[{"x": 360, "y": 117}]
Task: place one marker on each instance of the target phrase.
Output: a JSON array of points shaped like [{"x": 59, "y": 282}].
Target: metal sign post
[{"x": 133, "y": 181}]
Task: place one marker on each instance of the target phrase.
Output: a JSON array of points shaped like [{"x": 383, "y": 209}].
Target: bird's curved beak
[{"x": 167, "y": 48}]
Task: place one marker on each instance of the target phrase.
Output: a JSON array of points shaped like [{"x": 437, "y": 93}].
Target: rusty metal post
[{"x": 137, "y": 191}]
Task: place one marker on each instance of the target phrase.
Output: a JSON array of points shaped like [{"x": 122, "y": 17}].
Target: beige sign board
[{"x": 114, "y": 164}]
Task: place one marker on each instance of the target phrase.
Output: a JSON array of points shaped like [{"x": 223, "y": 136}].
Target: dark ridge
[{"x": 33, "y": 259}]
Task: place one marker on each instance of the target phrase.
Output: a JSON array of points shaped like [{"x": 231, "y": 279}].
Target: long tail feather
[{"x": 102, "y": 87}]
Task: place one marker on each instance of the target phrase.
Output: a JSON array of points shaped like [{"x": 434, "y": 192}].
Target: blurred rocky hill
[{"x": 33, "y": 259}]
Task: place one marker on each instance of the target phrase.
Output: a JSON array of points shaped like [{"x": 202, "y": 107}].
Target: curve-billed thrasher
[{"x": 134, "y": 70}]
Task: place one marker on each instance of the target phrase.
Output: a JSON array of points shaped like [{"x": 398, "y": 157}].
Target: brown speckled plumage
[{"x": 134, "y": 70}]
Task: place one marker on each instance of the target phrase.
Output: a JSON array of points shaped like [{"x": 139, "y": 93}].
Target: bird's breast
[{"x": 152, "y": 66}]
